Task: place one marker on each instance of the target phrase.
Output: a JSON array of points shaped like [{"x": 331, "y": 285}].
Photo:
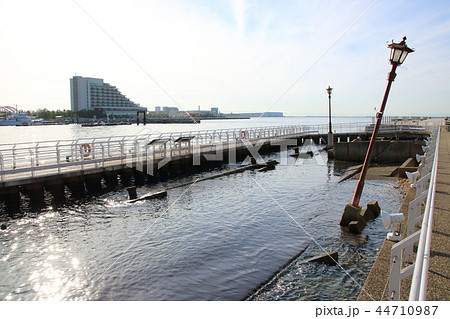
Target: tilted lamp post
[
  {"x": 330, "y": 131},
  {"x": 399, "y": 52}
]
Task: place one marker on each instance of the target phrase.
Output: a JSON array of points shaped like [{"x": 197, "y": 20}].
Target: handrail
[
  {"x": 24, "y": 160},
  {"x": 419, "y": 269},
  {"x": 420, "y": 277},
  {"x": 82, "y": 152},
  {"x": 321, "y": 128}
]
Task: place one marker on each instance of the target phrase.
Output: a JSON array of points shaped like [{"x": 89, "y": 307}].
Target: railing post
[
  {"x": 14, "y": 156},
  {"x": 414, "y": 211},
  {"x": 122, "y": 150},
  {"x": 103, "y": 154},
  {"x": 109, "y": 150},
  {"x": 31, "y": 162},
  {"x": 394, "y": 278},
  {"x": 397, "y": 273},
  {"x": 75, "y": 150},
  {"x": 58, "y": 157},
  {"x": 82, "y": 156},
  {"x": 36, "y": 151},
  {"x": 93, "y": 151},
  {"x": 1, "y": 167}
]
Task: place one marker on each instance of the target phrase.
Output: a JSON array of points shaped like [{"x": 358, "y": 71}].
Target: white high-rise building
[{"x": 94, "y": 94}]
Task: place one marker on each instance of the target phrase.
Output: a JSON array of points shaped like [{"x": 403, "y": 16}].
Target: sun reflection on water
[{"x": 54, "y": 273}]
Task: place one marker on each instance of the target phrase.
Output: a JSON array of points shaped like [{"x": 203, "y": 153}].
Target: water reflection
[{"x": 217, "y": 240}]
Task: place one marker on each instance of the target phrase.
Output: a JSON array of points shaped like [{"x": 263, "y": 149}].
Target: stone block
[
  {"x": 374, "y": 208},
  {"x": 367, "y": 214},
  {"x": 329, "y": 259},
  {"x": 351, "y": 213},
  {"x": 356, "y": 227}
]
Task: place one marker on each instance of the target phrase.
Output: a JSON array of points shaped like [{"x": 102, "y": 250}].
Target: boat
[{"x": 16, "y": 119}]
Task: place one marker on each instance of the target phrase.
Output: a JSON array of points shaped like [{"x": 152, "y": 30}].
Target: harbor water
[{"x": 218, "y": 239}]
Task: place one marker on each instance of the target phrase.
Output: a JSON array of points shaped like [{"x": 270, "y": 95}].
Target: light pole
[
  {"x": 399, "y": 51},
  {"x": 330, "y": 131}
]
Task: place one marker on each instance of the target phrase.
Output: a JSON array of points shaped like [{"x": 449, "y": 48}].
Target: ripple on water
[{"x": 214, "y": 240}]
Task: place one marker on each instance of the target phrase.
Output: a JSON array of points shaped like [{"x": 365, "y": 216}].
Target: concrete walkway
[
  {"x": 439, "y": 273},
  {"x": 377, "y": 283}
]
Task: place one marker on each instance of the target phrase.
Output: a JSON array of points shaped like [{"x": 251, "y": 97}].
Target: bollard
[{"x": 132, "y": 193}]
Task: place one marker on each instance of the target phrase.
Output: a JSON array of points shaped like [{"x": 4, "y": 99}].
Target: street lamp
[
  {"x": 399, "y": 52},
  {"x": 330, "y": 131}
]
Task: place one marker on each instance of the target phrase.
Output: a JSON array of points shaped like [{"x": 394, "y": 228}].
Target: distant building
[
  {"x": 204, "y": 113},
  {"x": 272, "y": 114},
  {"x": 94, "y": 94},
  {"x": 265, "y": 114},
  {"x": 169, "y": 110}
]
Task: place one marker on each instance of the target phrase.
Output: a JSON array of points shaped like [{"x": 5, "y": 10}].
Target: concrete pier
[
  {"x": 11, "y": 197},
  {"x": 138, "y": 161},
  {"x": 126, "y": 176},
  {"x": 95, "y": 176},
  {"x": 111, "y": 180},
  {"x": 93, "y": 183},
  {"x": 35, "y": 193},
  {"x": 384, "y": 152},
  {"x": 75, "y": 185},
  {"x": 56, "y": 188}
]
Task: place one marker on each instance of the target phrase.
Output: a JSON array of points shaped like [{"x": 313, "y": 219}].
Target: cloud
[{"x": 239, "y": 15}]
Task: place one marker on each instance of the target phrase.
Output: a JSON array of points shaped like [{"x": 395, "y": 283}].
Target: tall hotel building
[{"x": 94, "y": 94}]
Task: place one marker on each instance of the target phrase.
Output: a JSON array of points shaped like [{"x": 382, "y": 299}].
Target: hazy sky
[{"x": 238, "y": 55}]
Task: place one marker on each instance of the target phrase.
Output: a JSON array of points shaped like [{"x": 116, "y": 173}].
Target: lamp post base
[
  {"x": 351, "y": 213},
  {"x": 330, "y": 140}
]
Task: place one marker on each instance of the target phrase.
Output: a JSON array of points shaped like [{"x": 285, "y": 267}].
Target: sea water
[{"x": 218, "y": 239}]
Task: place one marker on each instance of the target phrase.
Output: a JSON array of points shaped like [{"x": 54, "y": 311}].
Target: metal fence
[
  {"x": 25, "y": 160},
  {"x": 420, "y": 209}
]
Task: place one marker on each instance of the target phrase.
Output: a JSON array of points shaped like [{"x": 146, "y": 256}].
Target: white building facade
[{"x": 94, "y": 94}]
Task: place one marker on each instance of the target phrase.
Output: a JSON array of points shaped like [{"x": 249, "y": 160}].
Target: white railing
[
  {"x": 25, "y": 160},
  {"x": 425, "y": 191},
  {"x": 392, "y": 119},
  {"x": 399, "y": 128}
]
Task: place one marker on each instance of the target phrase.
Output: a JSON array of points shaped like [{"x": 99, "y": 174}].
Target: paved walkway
[
  {"x": 376, "y": 286},
  {"x": 439, "y": 272}
]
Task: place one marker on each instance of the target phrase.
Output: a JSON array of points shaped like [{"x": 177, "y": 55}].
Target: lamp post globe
[
  {"x": 399, "y": 52},
  {"x": 329, "y": 89}
]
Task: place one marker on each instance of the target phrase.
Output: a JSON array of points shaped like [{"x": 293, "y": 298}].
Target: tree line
[{"x": 51, "y": 115}]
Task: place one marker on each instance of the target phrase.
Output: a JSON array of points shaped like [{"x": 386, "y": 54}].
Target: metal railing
[
  {"x": 420, "y": 209},
  {"x": 25, "y": 160},
  {"x": 400, "y": 128}
]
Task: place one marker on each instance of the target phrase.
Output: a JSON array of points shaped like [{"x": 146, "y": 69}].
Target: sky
[{"x": 238, "y": 55}]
